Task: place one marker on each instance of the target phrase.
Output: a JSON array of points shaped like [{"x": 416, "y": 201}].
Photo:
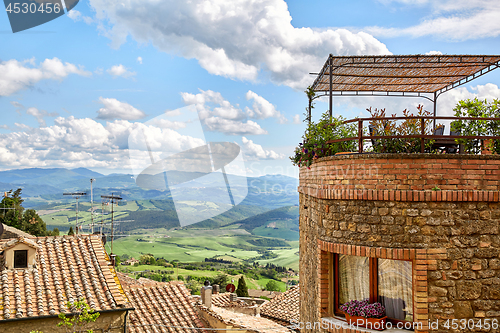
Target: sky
[{"x": 74, "y": 91}]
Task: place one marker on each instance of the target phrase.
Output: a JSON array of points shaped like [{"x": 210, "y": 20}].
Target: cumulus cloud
[
  {"x": 296, "y": 119},
  {"x": 255, "y": 151},
  {"x": 236, "y": 39},
  {"x": 219, "y": 115},
  {"x": 139, "y": 60},
  {"x": 16, "y": 75},
  {"x": 76, "y": 16},
  {"x": 114, "y": 109},
  {"x": 450, "y": 19},
  {"x": 262, "y": 108},
  {"x": 120, "y": 70},
  {"x": 40, "y": 115},
  {"x": 74, "y": 142}
]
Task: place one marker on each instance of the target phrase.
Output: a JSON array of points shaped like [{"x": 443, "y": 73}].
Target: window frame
[
  {"x": 373, "y": 267},
  {"x": 16, "y": 264}
]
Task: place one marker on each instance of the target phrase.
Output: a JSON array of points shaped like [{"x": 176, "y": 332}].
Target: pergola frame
[{"x": 398, "y": 75}]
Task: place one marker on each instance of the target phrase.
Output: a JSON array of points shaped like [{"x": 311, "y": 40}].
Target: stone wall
[{"x": 454, "y": 245}]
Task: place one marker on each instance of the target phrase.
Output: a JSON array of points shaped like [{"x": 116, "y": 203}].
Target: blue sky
[{"x": 72, "y": 90}]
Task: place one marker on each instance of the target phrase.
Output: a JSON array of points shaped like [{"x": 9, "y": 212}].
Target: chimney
[
  {"x": 216, "y": 289},
  {"x": 206, "y": 295}
]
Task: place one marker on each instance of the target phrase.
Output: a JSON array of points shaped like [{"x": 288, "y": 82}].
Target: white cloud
[
  {"x": 76, "y": 16},
  {"x": 219, "y": 115},
  {"x": 255, "y": 151},
  {"x": 262, "y": 108},
  {"x": 114, "y": 109},
  {"x": 120, "y": 70},
  {"x": 19, "y": 107},
  {"x": 16, "y": 75},
  {"x": 434, "y": 53},
  {"x": 236, "y": 39},
  {"x": 450, "y": 19},
  {"x": 73, "y": 142},
  {"x": 40, "y": 115},
  {"x": 296, "y": 119},
  {"x": 232, "y": 127},
  {"x": 139, "y": 60}
]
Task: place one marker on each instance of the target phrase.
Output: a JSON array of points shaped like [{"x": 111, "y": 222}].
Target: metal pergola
[{"x": 425, "y": 76}]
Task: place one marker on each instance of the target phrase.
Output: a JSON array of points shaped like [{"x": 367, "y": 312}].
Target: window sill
[{"x": 340, "y": 322}]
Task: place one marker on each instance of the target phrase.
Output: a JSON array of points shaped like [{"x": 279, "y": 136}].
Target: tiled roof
[
  {"x": 67, "y": 269},
  {"x": 11, "y": 232},
  {"x": 223, "y": 301},
  {"x": 160, "y": 306},
  {"x": 251, "y": 323},
  {"x": 284, "y": 307},
  {"x": 14, "y": 241}
]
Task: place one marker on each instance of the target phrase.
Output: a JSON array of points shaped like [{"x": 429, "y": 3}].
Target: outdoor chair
[{"x": 375, "y": 142}]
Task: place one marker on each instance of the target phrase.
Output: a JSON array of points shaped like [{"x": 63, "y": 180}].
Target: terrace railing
[{"x": 361, "y": 137}]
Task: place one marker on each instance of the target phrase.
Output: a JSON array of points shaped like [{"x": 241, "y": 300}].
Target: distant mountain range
[{"x": 46, "y": 186}]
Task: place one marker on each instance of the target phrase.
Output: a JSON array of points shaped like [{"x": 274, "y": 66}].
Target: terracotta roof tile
[
  {"x": 284, "y": 307},
  {"x": 67, "y": 269},
  {"x": 169, "y": 305}
]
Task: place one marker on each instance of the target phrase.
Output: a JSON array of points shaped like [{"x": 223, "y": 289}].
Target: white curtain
[
  {"x": 354, "y": 278},
  {"x": 395, "y": 288}
]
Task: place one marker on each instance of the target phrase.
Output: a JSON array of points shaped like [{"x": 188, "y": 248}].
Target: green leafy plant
[
  {"x": 435, "y": 188},
  {"x": 82, "y": 317},
  {"x": 317, "y": 134},
  {"x": 477, "y": 109},
  {"x": 390, "y": 127}
]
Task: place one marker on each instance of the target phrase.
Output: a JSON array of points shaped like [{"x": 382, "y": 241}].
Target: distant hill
[
  {"x": 39, "y": 176},
  {"x": 283, "y": 213}
]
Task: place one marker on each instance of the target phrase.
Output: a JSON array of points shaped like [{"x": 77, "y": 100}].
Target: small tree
[
  {"x": 272, "y": 285},
  {"x": 71, "y": 232},
  {"x": 82, "y": 318},
  {"x": 242, "y": 290}
]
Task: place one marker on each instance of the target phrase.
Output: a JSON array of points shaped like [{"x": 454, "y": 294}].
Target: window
[
  {"x": 379, "y": 280},
  {"x": 21, "y": 259}
]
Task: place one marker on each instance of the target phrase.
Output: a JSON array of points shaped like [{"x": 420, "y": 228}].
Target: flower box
[{"x": 370, "y": 323}]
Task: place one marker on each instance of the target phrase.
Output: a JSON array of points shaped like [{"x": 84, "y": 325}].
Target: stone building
[
  {"x": 40, "y": 275},
  {"x": 372, "y": 227}
]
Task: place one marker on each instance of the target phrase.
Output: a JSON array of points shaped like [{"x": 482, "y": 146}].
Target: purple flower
[{"x": 363, "y": 308}]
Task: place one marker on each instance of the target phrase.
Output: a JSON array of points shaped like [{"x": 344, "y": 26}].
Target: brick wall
[
  {"x": 454, "y": 244},
  {"x": 403, "y": 172}
]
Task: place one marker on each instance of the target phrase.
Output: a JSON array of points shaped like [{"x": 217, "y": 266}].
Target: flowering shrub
[{"x": 363, "y": 309}]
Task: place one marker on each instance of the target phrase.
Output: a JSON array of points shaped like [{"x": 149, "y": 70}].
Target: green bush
[
  {"x": 317, "y": 134},
  {"x": 478, "y": 109},
  {"x": 411, "y": 126}
]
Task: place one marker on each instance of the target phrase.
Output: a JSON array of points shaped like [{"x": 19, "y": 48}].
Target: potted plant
[{"x": 364, "y": 314}]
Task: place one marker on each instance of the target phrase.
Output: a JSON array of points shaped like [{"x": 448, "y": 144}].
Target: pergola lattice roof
[{"x": 404, "y": 74}]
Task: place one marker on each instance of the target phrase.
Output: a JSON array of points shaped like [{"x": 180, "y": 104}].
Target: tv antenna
[
  {"x": 113, "y": 199},
  {"x": 91, "y": 206},
  {"x": 76, "y": 195}
]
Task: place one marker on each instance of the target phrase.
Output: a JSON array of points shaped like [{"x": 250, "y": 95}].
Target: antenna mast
[
  {"x": 112, "y": 198},
  {"x": 91, "y": 206},
  {"x": 77, "y": 196}
]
